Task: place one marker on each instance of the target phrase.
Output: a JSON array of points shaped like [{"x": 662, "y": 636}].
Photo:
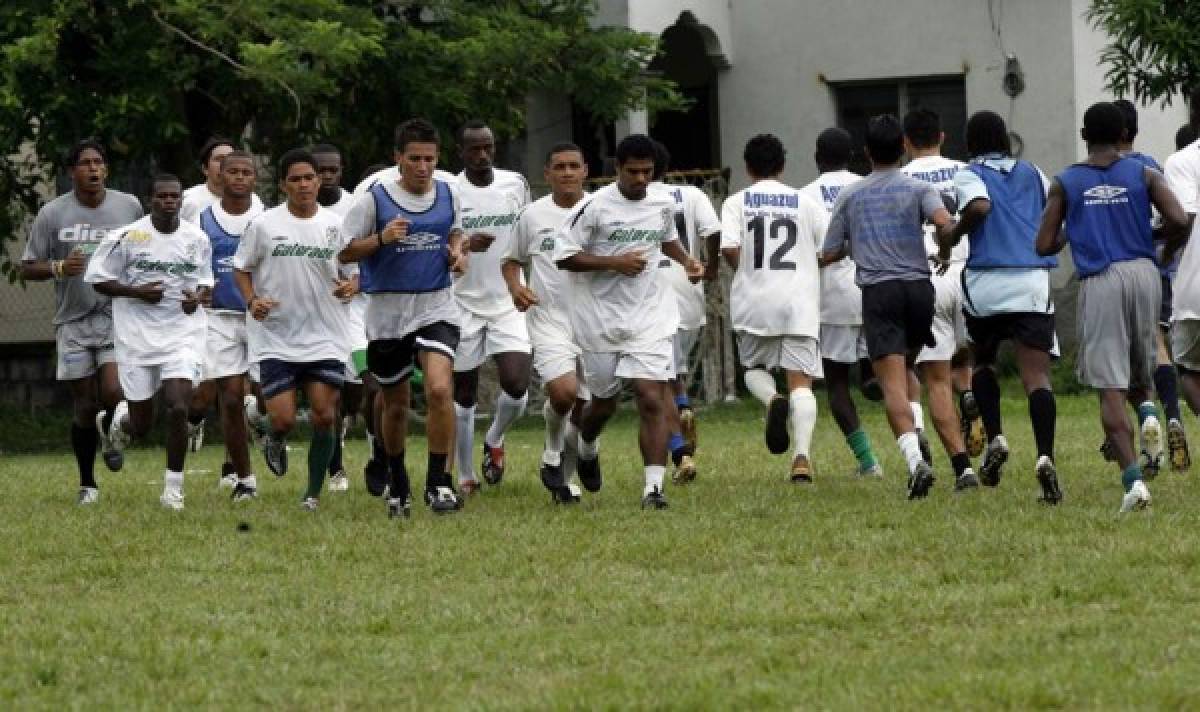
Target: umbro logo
[
  {"x": 1104, "y": 192},
  {"x": 616, "y": 223},
  {"x": 279, "y": 237}
]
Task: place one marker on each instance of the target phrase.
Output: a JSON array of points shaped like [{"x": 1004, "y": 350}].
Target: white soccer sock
[
  {"x": 918, "y": 415},
  {"x": 654, "y": 478},
  {"x": 508, "y": 409},
  {"x": 588, "y": 451},
  {"x": 570, "y": 451},
  {"x": 173, "y": 481},
  {"x": 249, "y": 481},
  {"x": 253, "y": 414},
  {"x": 911, "y": 447},
  {"x": 761, "y": 385},
  {"x": 464, "y": 441},
  {"x": 556, "y": 432},
  {"x": 804, "y": 418}
]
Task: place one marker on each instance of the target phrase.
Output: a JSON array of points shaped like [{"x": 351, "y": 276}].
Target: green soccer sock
[
  {"x": 319, "y": 454},
  {"x": 860, "y": 445}
]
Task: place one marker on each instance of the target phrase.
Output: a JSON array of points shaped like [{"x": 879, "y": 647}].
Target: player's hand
[
  {"x": 204, "y": 294},
  {"x": 457, "y": 259},
  {"x": 394, "y": 231},
  {"x": 712, "y": 269},
  {"x": 523, "y": 297},
  {"x": 345, "y": 289},
  {"x": 630, "y": 264},
  {"x": 75, "y": 264},
  {"x": 695, "y": 270},
  {"x": 152, "y": 293},
  {"x": 941, "y": 263},
  {"x": 480, "y": 241},
  {"x": 260, "y": 307},
  {"x": 190, "y": 301}
]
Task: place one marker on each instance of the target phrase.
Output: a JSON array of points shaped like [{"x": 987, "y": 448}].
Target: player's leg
[
  {"x": 372, "y": 409},
  {"x": 652, "y": 439},
  {"x": 841, "y": 346},
  {"x": 939, "y": 379},
  {"x": 466, "y": 389},
  {"x": 1033, "y": 365},
  {"x": 1185, "y": 349},
  {"x": 800, "y": 359},
  {"x": 203, "y": 397},
  {"x": 279, "y": 383},
  {"x": 1166, "y": 383},
  {"x": 85, "y": 435},
  {"x": 323, "y": 389},
  {"x": 600, "y": 369},
  {"x": 987, "y": 333},
  {"x": 913, "y": 384},
  {"x": 512, "y": 372},
  {"x": 685, "y": 345},
  {"x": 970, "y": 420},
  {"x": 440, "y": 429},
  {"x": 561, "y": 389},
  {"x": 757, "y": 354},
  {"x": 78, "y": 365},
  {"x": 177, "y": 399},
  {"x": 349, "y": 404},
  {"x": 231, "y": 402}
]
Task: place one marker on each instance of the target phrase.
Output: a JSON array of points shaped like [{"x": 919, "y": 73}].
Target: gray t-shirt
[
  {"x": 881, "y": 217},
  {"x": 65, "y": 224}
]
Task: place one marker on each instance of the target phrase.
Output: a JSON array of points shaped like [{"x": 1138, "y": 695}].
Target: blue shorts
[{"x": 277, "y": 376}]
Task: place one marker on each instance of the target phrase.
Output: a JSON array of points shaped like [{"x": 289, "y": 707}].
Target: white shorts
[
  {"x": 552, "y": 361},
  {"x": 603, "y": 370},
  {"x": 226, "y": 351},
  {"x": 83, "y": 345},
  {"x": 1185, "y": 343},
  {"x": 843, "y": 343},
  {"x": 481, "y": 338},
  {"x": 140, "y": 383},
  {"x": 791, "y": 353},
  {"x": 684, "y": 344},
  {"x": 949, "y": 324}
]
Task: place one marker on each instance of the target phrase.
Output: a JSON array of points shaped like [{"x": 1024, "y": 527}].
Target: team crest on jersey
[
  {"x": 331, "y": 236},
  {"x": 1105, "y": 195},
  {"x": 137, "y": 237}
]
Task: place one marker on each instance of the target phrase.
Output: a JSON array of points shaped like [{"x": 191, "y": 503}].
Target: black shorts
[
  {"x": 1032, "y": 329},
  {"x": 277, "y": 376},
  {"x": 897, "y": 317},
  {"x": 391, "y": 361},
  {"x": 1164, "y": 309}
]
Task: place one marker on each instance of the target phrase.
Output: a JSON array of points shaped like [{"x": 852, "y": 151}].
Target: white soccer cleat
[
  {"x": 339, "y": 482},
  {"x": 118, "y": 439},
  {"x": 227, "y": 481},
  {"x": 1152, "y": 446},
  {"x": 1138, "y": 497},
  {"x": 195, "y": 436},
  {"x": 88, "y": 495},
  {"x": 172, "y": 499}
]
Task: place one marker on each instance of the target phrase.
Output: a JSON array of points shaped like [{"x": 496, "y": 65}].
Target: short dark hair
[
  {"x": 1129, "y": 118},
  {"x": 372, "y": 170},
  {"x": 662, "y": 160},
  {"x": 164, "y": 178},
  {"x": 1185, "y": 136},
  {"x": 923, "y": 128},
  {"x": 292, "y": 157},
  {"x": 562, "y": 147},
  {"x": 764, "y": 155},
  {"x": 414, "y": 131},
  {"x": 238, "y": 153},
  {"x": 885, "y": 139},
  {"x": 1103, "y": 123},
  {"x": 472, "y": 125},
  {"x": 325, "y": 148},
  {"x": 71, "y": 158},
  {"x": 207, "y": 149},
  {"x": 834, "y": 146},
  {"x": 987, "y": 133},
  {"x": 636, "y": 147}
]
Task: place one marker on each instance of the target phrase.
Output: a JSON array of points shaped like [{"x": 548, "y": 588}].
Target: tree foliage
[
  {"x": 1155, "y": 49},
  {"x": 154, "y": 79}
]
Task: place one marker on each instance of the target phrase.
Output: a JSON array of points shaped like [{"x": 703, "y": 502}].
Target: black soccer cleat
[
  {"x": 375, "y": 475},
  {"x": 994, "y": 458},
  {"x": 966, "y": 481},
  {"x": 654, "y": 499},
  {"x": 777, "y": 426},
  {"x": 920, "y": 481},
  {"x": 492, "y": 468},
  {"x": 275, "y": 453},
  {"x": 555, "y": 482},
  {"x": 926, "y": 452},
  {"x": 1047, "y": 477},
  {"x": 589, "y": 474},
  {"x": 243, "y": 493},
  {"x": 399, "y": 507},
  {"x": 442, "y": 499}
]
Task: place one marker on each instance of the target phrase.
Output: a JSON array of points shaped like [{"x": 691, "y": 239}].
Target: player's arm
[
  {"x": 1182, "y": 179},
  {"x": 36, "y": 265},
  {"x": 359, "y": 225},
  {"x": 569, "y": 251},
  {"x": 730, "y": 236},
  {"x": 674, "y": 250},
  {"x": 1050, "y": 237},
  {"x": 833, "y": 248},
  {"x": 456, "y": 254},
  {"x": 523, "y": 297},
  {"x": 1175, "y": 222}
]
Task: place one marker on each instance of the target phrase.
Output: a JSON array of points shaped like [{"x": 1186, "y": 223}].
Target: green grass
[{"x": 746, "y": 593}]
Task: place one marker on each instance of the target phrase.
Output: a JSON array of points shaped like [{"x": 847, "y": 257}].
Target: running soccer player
[
  {"x": 769, "y": 235},
  {"x": 492, "y": 326},
  {"x": 407, "y": 237},
  {"x": 1105, "y": 203},
  {"x": 878, "y": 222},
  {"x": 1006, "y": 287},
  {"x": 695, "y": 222},
  {"x": 202, "y": 195},
  {"x": 622, "y": 317},
  {"x": 63, "y": 237},
  {"x": 287, "y": 270},
  {"x": 945, "y": 367},
  {"x": 841, "y": 338},
  {"x": 545, "y": 302},
  {"x": 157, "y": 271}
]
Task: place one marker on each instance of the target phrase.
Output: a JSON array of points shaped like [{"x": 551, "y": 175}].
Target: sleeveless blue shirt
[
  {"x": 418, "y": 262},
  {"x": 1108, "y": 214},
  {"x": 225, "y": 293},
  {"x": 1007, "y": 237}
]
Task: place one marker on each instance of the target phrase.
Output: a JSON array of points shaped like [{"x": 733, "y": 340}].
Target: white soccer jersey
[
  {"x": 940, "y": 171},
  {"x": 356, "y": 310},
  {"x": 609, "y": 311},
  {"x": 199, "y": 197},
  {"x": 533, "y": 244},
  {"x": 391, "y": 174},
  {"x": 841, "y": 298},
  {"x": 493, "y": 210},
  {"x": 776, "y": 290},
  {"x": 344, "y": 202},
  {"x": 695, "y": 220},
  {"x": 1182, "y": 170},
  {"x": 294, "y": 261},
  {"x": 152, "y": 334}
]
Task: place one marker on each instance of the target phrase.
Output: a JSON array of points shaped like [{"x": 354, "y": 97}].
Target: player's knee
[
  {"x": 442, "y": 393},
  {"x": 323, "y": 418},
  {"x": 562, "y": 398}
]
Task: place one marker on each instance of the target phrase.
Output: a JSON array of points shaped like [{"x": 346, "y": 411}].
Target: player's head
[
  {"x": 416, "y": 154},
  {"x": 238, "y": 174},
  {"x": 986, "y": 134},
  {"x": 765, "y": 156},
  {"x": 635, "y": 165},
  {"x": 166, "y": 195},
  {"x": 565, "y": 170},
  {"x": 885, "y": 140},
  {"x": 922, "y": 130},
  {"x": 210, "y": 156},
  {"x": 298, "y": 179},
  {"x": 1130, "y": 119},
  {"x": 87, "y": 162},
  {"x": 1103, "y": 124},
  {"x": 1185, "y": 136},
  {"x": 662, "y": 160},
  {"x": 329, "y": 164},
  {"x": 476, "y": 146},
  {"x": 834, "y": 147}
]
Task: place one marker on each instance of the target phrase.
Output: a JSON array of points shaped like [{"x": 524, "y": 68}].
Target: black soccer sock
[
  {"x": 196, "y": 418},
  {"x": 378, "y": 454},
  {"x": 399, "y": 486},
  {"x": 227, "y": 468},
  {"x": 335, "y": 462},
  {"x": 987, "y": 397},
  {"x": 961, "y": 463},
  {"x": 435, "y": 474},
  {"x": 1043, "y": 414},
  {"x": 1167, "y": 385},
  {"x": 83, "y": 442}
]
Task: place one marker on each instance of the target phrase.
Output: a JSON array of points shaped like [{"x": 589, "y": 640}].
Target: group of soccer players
[{"x": 915, "y": 273}]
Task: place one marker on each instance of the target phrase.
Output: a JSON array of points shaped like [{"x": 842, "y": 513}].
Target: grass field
[{"x": 747, "y": 592}]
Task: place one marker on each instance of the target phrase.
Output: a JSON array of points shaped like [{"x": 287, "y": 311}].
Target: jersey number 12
[{"x": 781, "y": 229}]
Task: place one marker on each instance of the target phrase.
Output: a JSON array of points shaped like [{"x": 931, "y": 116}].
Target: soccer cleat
[
  {"x": 1138, "y": 497},
  {"x": 469, "y": 488},
  {"x": 195, "y": 436},
  {"x": 654, "y": 499},
  {"x": 172, "y": 499},
  {"x": 972, "y": 426},
  {"x": 1152, "y": 447},
  {"x": 802, "y": 473},
  {"x": 920, "y": 481},
  {"x": 687, "y": 424},
  {"x": 275, "y": 453},
  {"x": 555, "y": 482},
  {"x": 923, "y": 443},
  {"x": 118, "y": 439},
  {"x": 399, "y": 507},
  {"x": 589, "y": 474},
  {"x": 871, "y": 389},
  {"x": 243, "y": 493},
  {"x": 114, "y": 460},
  {"x": 88, "y": 495},
  {"x": 229, "y": 481},
  {"x": 443, "y": 500},
  {"x": 777, "y": 426},
  {"x": 493, "y": 464},
  {"x": 966, "y": 481},
  {"x": 1107, "y": 451},
  {"x": 994, "y": 458},
  {"x": 1047, "y": 477},
  {"x": 339, "y": 482},
  {"x": 873, "y": 472},
  {"x": 375, "y": 474},
  {"x": 1150, "y": 465},
  {"x": 310, "y": 504},
  {"x": 1177, "y": 446},
  {"x": 685, "y": 470}
]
